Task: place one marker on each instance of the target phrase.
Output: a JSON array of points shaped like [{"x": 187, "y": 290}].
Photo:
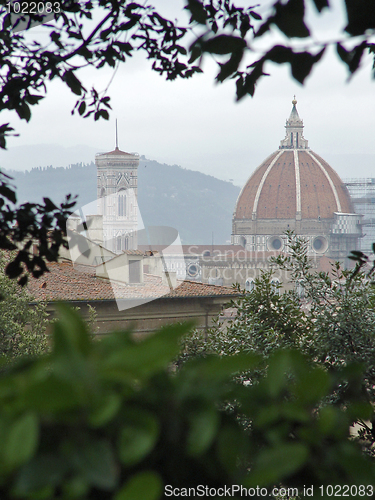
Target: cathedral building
[
  {"x": 117, "y": 178},
  {"x": 295, "y": 189}
]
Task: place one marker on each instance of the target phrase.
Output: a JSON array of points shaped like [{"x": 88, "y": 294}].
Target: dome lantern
[{"x": 294, "y": 131}]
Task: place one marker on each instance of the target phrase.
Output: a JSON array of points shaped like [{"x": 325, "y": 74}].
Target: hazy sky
[{"x": 198, "y": 125}]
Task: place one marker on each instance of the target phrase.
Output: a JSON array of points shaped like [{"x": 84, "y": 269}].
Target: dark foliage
[
  {"x": 36, "y": 230},
  {"x": 109, "y": 419}
]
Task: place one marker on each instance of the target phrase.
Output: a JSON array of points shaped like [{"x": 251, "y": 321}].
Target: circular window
[
  {"x": 275, "y": 243},
  {"x": 206, "y": 253},
  {"x": 193, "y": 270},
  {"x": 320, "y": 244}
]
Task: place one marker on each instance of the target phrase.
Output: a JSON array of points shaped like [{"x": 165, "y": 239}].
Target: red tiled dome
[
  {"x": 293, "y": 181},
  {"x": 278, "y": 188}
]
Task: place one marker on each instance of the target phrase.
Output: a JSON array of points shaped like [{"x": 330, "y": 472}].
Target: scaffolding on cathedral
[{"x": 362, "y": 193}]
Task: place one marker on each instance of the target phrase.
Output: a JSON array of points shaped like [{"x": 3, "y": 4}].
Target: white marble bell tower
[{"x": 117, "y": 176}]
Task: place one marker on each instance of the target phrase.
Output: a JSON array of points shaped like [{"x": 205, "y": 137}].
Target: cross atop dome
[{"x": 294, "y": 131}]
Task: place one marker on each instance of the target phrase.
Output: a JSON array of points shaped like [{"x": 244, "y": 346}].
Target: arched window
[
  {"x": 122, "y": 243},
  {"x": 121, "y": 205},
  {"x": 103, "y": 202}
]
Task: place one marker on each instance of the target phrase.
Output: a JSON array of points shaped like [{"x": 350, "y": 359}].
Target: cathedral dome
[
  {"x": 293, "y": 183},
  {"x": 295, "y": 189}
]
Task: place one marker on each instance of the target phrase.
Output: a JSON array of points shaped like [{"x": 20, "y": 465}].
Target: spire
[
  {"x": 116, "y": 136},
  {"x": 294, "y": 131},
  {"x": 294, "y": 116}
]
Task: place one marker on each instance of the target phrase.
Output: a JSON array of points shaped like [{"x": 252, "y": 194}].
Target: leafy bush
[
  {"x": 332, "y": 322},
  {"x": 111, "y": 419},
  {"x": 22, "y": 328}
]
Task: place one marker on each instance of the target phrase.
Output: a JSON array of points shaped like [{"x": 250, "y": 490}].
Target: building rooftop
[
  {"x": 293, "y": 183},
  {"x": 193, "y": 250},
  {"x": 116, "y": 151},
  {"x": 66, "y": 282}
]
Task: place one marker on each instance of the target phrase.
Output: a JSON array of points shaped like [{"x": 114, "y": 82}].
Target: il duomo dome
[{"x": 295, "y": 189}]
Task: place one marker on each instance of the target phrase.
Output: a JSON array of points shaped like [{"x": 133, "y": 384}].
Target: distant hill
[
  {"x": 40, "y": 155},
  {"x": 197, "y": 205}
]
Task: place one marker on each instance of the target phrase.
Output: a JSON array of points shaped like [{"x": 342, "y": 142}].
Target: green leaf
[
  {"x": 280, "y": 366},
  {"x": 289, "y": 18},
  {"x": 231, "y": 66},
  {"x": 82, "y": 108},
  {"x": 311, "y": 387},
  {"x": 198, "y": 12},
  {"x": 124, "y": 47},
  {"x": 8, "y": 193},
  {"x": 75, "y": 487},
  {"x": 146, "y": 485},
  {"x": 218, "y": 368},
  {"x": 23, "y": 111},
  {"x": 276, "y": 464},
  {"x": 302, "y": 64},
  {"x": 95, "y": 459},
  {"x": 352, "y": 58},
  {"x": 42, "y": 471},
  {"x": 107, "y": 409},
  {"x": 13, "y": 269},
  {"x": 73, "y": 83},
  {"x": 357, "y": 253},
  {"x": 22, "y": 440},
  {"x": 138, "y": 436},
  {"x": 33, "y": 99},
  {"x": 360, "y": 410},
  {"x": 70, "y": 331},
  {"x": 142, "y": 359},
  {"x": 51, "y": 395},
  {"x": 232, "y": 446},
  {"x": 195, "y": 52},
  {"x": 223, "y": 44},
  {"x": 246, "y": 85},
  {"x": 360, "y": 15},
  {"x": 50, "y": 206},
  {"x": 329, "y": 419},
  {"x": 203, "y": 427},
  {"x": 255, "y": 15}
]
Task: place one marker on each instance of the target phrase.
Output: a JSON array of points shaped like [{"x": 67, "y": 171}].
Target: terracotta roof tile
[
  {"x": 116, "y": 151},
  {"x": 277, "y": 197},
  {"x": 67, "y": 283}
]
